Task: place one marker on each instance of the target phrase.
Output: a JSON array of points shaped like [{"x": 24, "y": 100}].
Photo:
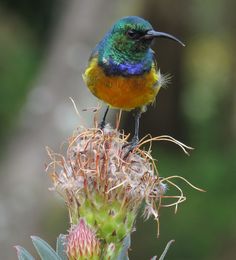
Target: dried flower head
[{"x": 102, "y": 185}]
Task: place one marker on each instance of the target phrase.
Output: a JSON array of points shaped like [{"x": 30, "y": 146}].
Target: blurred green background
[{"x": 44, "y": 47}]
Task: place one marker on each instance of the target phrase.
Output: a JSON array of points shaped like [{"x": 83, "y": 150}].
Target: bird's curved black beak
[{"x": 153, "y": 34}]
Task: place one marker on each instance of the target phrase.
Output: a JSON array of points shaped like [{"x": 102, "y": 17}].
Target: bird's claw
[
  {"x": 102, "y": 125},
  {"x": 131, "y": 146}
]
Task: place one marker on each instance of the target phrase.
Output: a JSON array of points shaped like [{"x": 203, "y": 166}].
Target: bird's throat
[
  {"x": 110, "y": 67},
  {"x": 124, "y": 62}
]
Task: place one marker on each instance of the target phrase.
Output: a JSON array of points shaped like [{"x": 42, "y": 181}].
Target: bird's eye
[{"x": 132, "y": 34}]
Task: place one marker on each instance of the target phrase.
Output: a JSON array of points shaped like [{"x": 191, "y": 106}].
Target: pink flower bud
[{"x": 82, "y": 243}]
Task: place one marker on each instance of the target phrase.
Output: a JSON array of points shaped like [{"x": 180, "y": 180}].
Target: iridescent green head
[
  {"x": 127, "y": 36},
  {"x": 129, "y": 39}
]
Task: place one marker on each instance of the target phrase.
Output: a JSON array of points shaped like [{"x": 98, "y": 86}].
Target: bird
[{"x": 122, "y": 69}]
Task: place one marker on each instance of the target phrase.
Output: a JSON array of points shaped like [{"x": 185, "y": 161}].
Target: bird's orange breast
[{"x": 124, "y": 92}]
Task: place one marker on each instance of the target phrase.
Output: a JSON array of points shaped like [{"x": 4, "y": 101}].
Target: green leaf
[
  {"x": 44, "y": 249},
  {"x": 61, "y": 246},
  {"x": 124, "y": 252},
  {"x": 23, "y": 254}
]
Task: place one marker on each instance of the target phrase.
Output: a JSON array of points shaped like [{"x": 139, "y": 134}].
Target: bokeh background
[{"x": 44, "y": 47}]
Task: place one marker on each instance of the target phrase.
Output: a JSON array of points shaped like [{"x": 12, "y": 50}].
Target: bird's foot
[
  {"x": 131, "y": 146},
  {"x": 102, "y": 124}
]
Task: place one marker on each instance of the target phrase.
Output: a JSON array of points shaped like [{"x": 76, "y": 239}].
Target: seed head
[{"x": 104, "y": 186}]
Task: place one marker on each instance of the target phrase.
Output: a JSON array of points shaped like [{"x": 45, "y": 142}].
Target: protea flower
[{"x": 104, "y": 186}]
